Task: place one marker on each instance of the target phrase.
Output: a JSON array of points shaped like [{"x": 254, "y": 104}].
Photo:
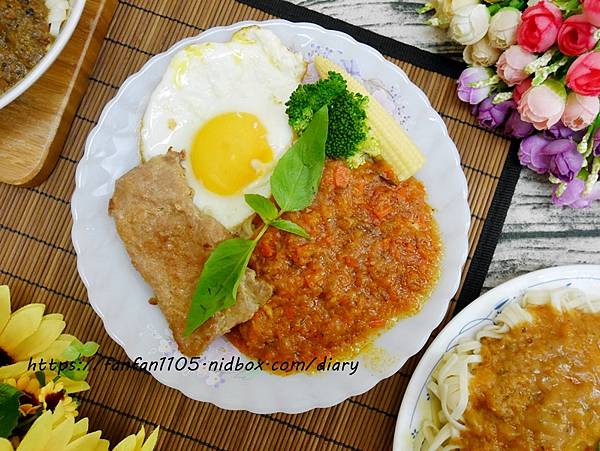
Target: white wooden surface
[{"x": 536, "y": 234}]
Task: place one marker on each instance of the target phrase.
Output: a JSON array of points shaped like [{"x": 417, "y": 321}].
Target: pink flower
[
  {"x": 580, "y": 111},
  {"x": 521, "y": 89},
  {"x": 511, "y": 64},
  {"x": 543, "y": 105},
  {"x": 576, "y": 36},
  {"x": 583, "y": 76},
  {"x": 539, "y": 27},
  {"x": 591, "y": 11}
]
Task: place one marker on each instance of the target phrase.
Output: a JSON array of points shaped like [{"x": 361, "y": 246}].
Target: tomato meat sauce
[{"x": 373, "y": 258}]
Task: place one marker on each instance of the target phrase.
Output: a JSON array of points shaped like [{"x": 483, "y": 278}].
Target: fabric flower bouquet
[{"x": 535, "y": 75}]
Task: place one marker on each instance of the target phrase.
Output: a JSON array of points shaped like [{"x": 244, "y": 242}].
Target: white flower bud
[
  {"x": 445, "y": 10},
  {"x": 481, "y": 54},
  {"x": 470, "y": 24},
  {"x": 503, "y": 28}
]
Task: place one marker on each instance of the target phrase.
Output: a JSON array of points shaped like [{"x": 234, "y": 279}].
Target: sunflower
[
  {"x": 29, "y": 386},
  {"x": 53, "y": 431},
  {"x": 54, "y": 394},
  {"x": 28, "y": 334}
]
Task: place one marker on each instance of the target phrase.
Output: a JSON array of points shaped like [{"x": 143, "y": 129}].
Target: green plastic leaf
[
  {"x": 72, "y": 351},
  {"x": 295, "y": 179},
  {"x": 41, "y": 378},
  {"x": 89, "y": 349},
  {"x": 290, "y": 227},
  {"x": 77, "y": 371},
  {"x": 219, "y": 281},
  {"x": 263, "y": 206},
  {"x": 9, "y": 409}
]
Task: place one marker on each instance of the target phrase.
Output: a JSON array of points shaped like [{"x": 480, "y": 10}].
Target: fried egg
[{"x": 223, "y": 104}]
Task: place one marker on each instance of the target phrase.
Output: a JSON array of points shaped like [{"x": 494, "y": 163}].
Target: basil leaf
[
  {"x": 295, "y": 179},
  {"x": 219, "y": 281},
  {"x": 290, "y": 227},
  {"x": 9, "y": 409},
  {"x": 263, "y": 206}
]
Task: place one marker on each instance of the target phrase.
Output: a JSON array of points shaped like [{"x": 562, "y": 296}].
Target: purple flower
[
  {"x": 530, "y": 153},
  {"x": 564, "y": 159},
  {"x": 516, "y": 127},
  {"x": 559, "y": 157},
  {"x": 572, "y": 195},
  {"x": 596, "y": 147},
  {"x": 492, "y": 116},
  {"x": 560, "y": 130},
  {"x": 471, "y": 95}
]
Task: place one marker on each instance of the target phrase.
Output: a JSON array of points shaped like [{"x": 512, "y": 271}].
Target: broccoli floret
[{"x": 349, "y": 137}]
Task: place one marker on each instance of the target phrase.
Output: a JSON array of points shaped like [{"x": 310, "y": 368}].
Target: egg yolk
[{"x": 229, "y": 152}]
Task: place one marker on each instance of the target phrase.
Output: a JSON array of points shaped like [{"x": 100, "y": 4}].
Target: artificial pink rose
[
  {"x": 576, "y": 36},
  {"x": 543, "y": 105},
  {"x": 521, "y": 89},
  {"x": 583, "y": 76},
  {"x": 580, "y": 111},
  {"x": 539, "y": 27},
  {"x": 591, "y": 11},
  {"x": 511, "y": 64}
]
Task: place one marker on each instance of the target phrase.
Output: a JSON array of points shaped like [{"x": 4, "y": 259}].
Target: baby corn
[{"x": 396, "y": 147}]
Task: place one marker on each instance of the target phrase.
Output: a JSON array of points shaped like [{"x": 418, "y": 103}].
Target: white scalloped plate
[
  {"x": 120, "y": 296},
  {"x": 477, "y": 314}
]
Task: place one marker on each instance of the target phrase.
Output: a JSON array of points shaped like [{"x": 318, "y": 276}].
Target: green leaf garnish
[
  {"x": 9, "y": 409},
  {"x": 263, "y": 206},
  {"x": 290, "y": 227},
  {"x": 294, "y": 184},
  {"x": 296, "y": 177},
  {"x": 77, "y": 371},
  {"x": 76, "y": 353},
  {"x": 219, "y": 281},
  {"x": 78, "y": 349}
]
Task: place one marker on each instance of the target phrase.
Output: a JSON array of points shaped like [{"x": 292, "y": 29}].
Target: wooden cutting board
[{"x": 33, "y": 128}]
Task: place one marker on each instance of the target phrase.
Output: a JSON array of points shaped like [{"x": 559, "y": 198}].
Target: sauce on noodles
[{"x": 538, "y": 387}]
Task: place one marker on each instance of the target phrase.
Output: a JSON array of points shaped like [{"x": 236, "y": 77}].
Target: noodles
[
  {"x": 57, "y": 14},
  {"x": 449, "y": 384}
]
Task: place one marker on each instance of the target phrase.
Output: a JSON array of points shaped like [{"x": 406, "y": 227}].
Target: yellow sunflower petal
[
  {"x": 4, "y": 306},
  {"x": 139, "y": 437},
  {"x": 54, "y": 351},
  {"x": 74, "y": 386},
  {"x": 151, "y": 442},
  {"x": 14, "y": 370},
  {"x": 38, "y": 435},
  {"x": 127, "y": 444},
  {"x": 81, "y": 428},
  {"x": 58, "y": 316},
  {"x": 5, "y": 445},
  {"x": 40, "y": 340},
  {"x": 86, "y": 442},
  {"x": 61, "y": 435},
  {"x": 22, "y": 323}
]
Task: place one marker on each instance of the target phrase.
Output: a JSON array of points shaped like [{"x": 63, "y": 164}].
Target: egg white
[{"x": 253, "y": 73}]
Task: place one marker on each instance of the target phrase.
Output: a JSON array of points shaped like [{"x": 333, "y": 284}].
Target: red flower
[
  {"x": 576, "y": 36},
  {"x": 591, "y": 11},
  {"x": 521, "y": 89},
  {"x": 583, "y": 76},
  {"x": 539, "y": 27}
]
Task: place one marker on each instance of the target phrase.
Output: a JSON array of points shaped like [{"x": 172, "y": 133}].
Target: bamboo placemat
[{"x": 38, "y": 262}]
